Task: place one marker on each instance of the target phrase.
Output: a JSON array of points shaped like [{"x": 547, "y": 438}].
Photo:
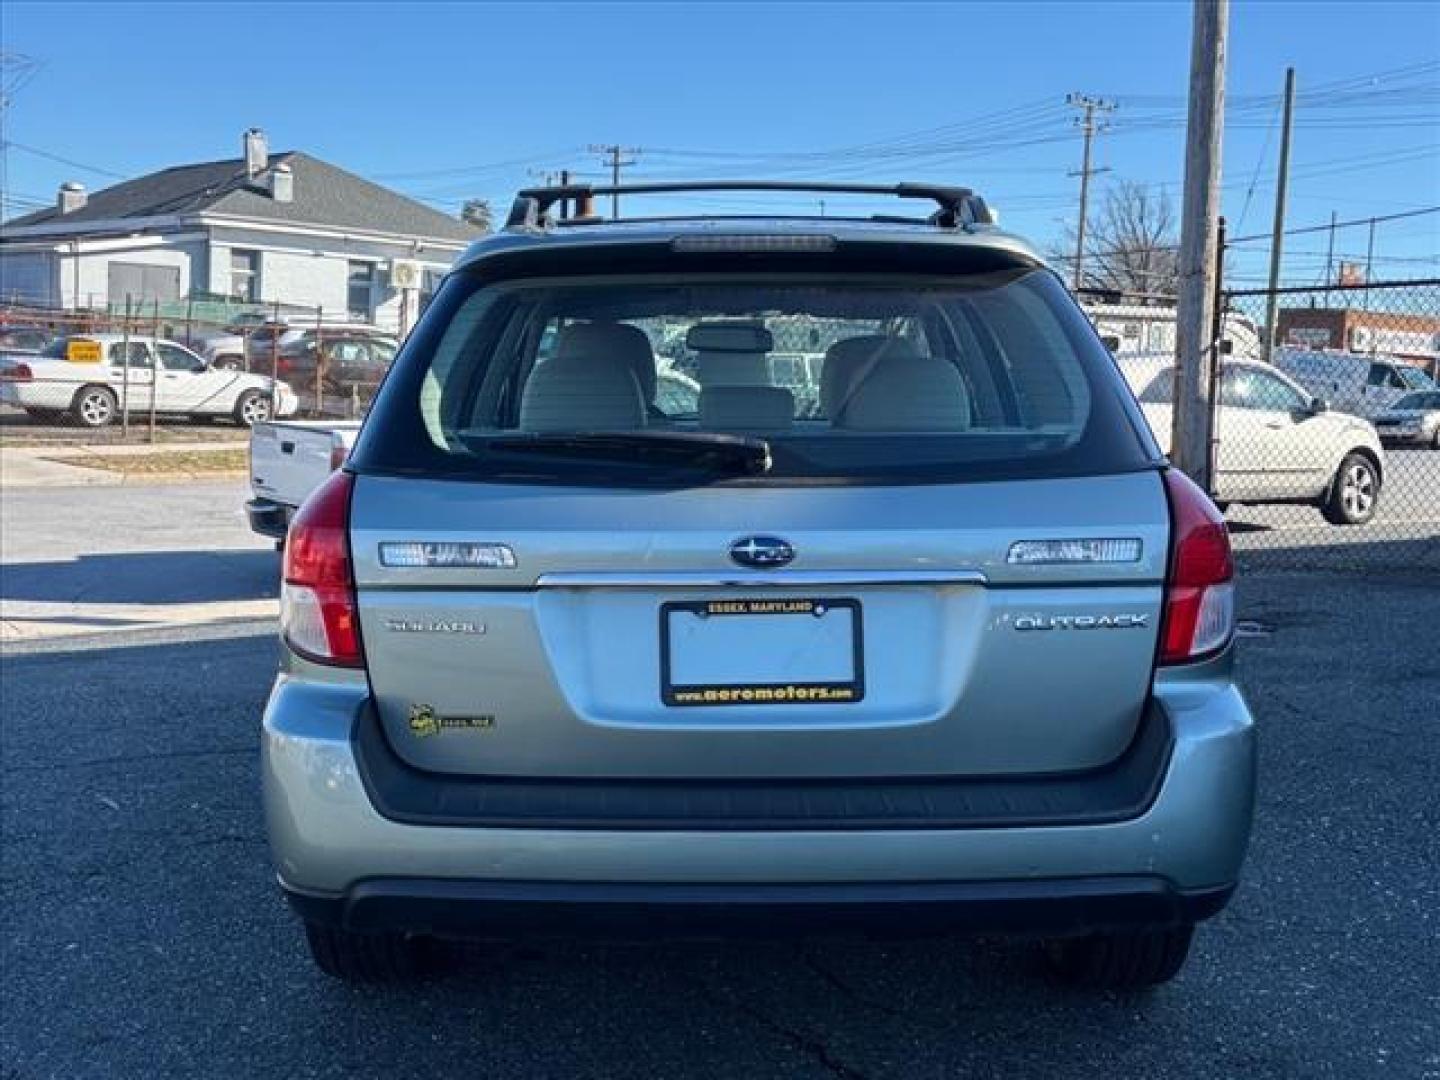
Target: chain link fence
[
  {"x": 1326, "y": 438},
  {"x": 1327, "y": 445},
  {"x": 184, "y": 370}
]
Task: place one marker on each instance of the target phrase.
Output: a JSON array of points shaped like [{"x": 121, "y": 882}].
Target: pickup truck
[{"x": 288, "y": 460}]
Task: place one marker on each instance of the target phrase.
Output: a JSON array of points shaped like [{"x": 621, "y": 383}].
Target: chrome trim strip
[{"x": 771, "y": 579}]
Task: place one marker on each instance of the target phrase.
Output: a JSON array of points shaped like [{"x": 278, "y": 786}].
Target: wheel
[
  {"x": 1123, "y": 960},
  {"x": 94, "y": 406},
  {"x": 251, "y": 408},
  {"x": 1353, "y": 492},
  {"x": 356, "y": 957}
]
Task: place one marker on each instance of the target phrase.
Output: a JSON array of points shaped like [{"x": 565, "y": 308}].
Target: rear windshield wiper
[{"x": 710, "y": 451}]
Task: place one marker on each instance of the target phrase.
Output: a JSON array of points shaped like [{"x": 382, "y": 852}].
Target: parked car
[
  {"x": 89, "y": 378},
  {"x": 1414, "y": 418},
  {"x": 345, "y": 361},
  {"x": 1357, "y": 383},
  {"x": 1276, "y": 443},
  {"x": 253, "y": 342},
  {"x": 289, "y": 459},
  {"x": 552, "y": 661},
  {"x": 24, "y": 339},
  {"x": 265, "y": 345}
]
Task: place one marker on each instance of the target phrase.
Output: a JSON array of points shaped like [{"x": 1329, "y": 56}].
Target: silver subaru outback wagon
[{"x": 887, "y": 615}]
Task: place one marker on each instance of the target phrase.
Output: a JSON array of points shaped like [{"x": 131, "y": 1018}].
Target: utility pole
[
  {"x": 615, "y": 158},
  {"x": 1196, "y": 344},
  {"x": 1089, "y": 106},
  {"x": 1277, "y": 238},
  {"x": 1369, "y": 262},
  {"x": 1330, "y": 259}
]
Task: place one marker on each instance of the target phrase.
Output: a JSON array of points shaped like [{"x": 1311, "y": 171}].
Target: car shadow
[{"x": 150, "y": 577}]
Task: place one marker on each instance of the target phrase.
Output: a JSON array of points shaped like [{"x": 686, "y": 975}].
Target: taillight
[
  {"x": 338, "y": 452},
  {"x": 18, "y": 373},
  {"x": 1200, "y": 589},
  {"x": 317, "y": 596}
]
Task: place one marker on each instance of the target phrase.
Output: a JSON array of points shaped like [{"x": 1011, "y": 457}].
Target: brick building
[{"x": 1413, "y": 338}]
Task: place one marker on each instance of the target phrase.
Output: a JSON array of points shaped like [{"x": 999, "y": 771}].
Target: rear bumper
[
  {"x": 508, "y": 909},
  {"x": 268, "y": 518},
  {"x": 348, "y": 862}
]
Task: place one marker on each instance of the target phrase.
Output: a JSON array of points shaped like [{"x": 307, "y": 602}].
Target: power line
[
  {"x": 64, "y": 160},
  {"x": 1420, "y": 212}
]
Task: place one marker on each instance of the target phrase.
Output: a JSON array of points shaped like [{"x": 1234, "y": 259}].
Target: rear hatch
[
  {"x": 941, "y": 657},
  {"x": 946, "y": 560}
]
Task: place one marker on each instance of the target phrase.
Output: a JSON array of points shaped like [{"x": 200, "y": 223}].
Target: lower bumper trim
[
  {"x": 268, "y": 518},
  {"x": 518, "y": 909}
]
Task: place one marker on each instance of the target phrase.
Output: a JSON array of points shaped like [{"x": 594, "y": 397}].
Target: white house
[{"x": 261, "y": 228}]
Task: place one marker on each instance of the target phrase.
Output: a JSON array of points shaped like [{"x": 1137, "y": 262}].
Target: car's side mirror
[
  {"x": 200, "y": 368},
  {"x": 1318, "y": 405}
]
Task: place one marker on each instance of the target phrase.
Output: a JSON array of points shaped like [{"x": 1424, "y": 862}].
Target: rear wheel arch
[{"x": 1370, "y": 455}]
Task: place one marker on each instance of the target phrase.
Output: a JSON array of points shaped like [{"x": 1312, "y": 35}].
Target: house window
[
  {"x": 359, "y": 291},
  {"x": 245, "y": 275}
]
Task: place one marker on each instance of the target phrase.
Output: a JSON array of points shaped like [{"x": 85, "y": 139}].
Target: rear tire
[
  {"x": 1122, "y": 960},
  {"x": 94, "y": 406},
  {"x": 1354, "y": 492},
  {"x": 366, "y": 958}
]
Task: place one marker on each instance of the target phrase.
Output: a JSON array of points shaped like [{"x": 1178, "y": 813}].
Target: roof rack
[{"x": 957, "y": 206}]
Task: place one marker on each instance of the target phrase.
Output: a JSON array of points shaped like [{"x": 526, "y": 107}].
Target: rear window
[{"x": 993, "y": 375}]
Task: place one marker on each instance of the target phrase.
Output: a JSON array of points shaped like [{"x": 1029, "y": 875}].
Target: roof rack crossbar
[{"x": 957, "y": 206}]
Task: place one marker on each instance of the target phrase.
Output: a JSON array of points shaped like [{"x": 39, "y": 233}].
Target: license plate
[{"x": 761, "y": 651}]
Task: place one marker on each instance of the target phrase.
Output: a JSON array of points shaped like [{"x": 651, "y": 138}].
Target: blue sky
[{"x": 448, "y": 101}]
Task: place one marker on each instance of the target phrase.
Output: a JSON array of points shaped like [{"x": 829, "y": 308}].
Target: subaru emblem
[{"x": 762, "y": 552}]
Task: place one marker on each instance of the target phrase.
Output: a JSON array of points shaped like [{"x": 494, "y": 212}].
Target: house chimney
[
  {"x": 282, "y": 183},
  {"x": 257, "y": 153},
  {"x": 71, "y": 197}
]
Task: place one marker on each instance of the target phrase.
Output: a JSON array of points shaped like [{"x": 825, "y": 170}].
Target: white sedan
[
  {"x": 93, "y": 377},
  {"x": 1276, "y": 444}
]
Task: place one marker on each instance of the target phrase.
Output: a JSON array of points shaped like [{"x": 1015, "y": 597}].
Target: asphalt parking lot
[{"x": 144, "y": 937}]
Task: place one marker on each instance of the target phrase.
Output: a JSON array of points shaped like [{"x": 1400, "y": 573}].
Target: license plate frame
[{"x": 797, "y": 692}]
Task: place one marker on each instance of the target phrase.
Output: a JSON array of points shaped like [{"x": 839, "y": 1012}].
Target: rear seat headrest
[
  {"x": 907, "y": 391},
  {"x": 732, "y": 337},
  {"x": 627, "y": 343},
  {"x": 843, "y": 362},
  {"x": 575, "y": 391}
]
